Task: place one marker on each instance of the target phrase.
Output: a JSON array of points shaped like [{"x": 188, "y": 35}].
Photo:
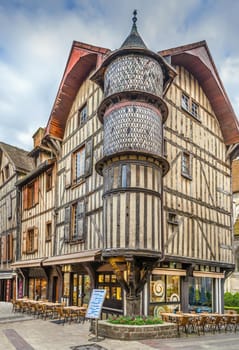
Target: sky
[{"x": 36, "y": 38}]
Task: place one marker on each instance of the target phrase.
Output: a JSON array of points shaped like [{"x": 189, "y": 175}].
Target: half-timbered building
[
  {"x": 37, "y": 218},
  {"x": 142, "y": 192},
  {"x": 14, "y": 164}
]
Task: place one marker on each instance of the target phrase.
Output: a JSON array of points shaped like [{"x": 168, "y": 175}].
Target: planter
[{"x": 126, "y": 332}]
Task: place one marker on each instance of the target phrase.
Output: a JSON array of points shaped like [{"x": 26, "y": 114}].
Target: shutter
[
  {"x": 67, "y": 225},
  {"x": 10, "y": 247},
  {"x": 80, "y": 220},
  {"x": 36, "y": 191},
  {"x": 35, "y": 239},
  {"x": 68, "y": 172},
  {"x": 88, "y": 157},
  {"x": 4, "y": 247},
  {"x": 24, "y": 242},
  {"x": 25, "y": 191}
]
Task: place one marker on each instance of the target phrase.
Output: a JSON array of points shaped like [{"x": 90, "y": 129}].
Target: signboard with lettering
[{"x": 96, "y": 303}]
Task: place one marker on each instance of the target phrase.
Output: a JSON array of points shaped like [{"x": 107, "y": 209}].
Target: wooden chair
[
  {"x": 235, "y": 322},
  {"x": 182, "y": 323},
  {"x": 62, "y": 314},
  {"x": 202, "y": 324},
  {"x": 216, "y": 323}
]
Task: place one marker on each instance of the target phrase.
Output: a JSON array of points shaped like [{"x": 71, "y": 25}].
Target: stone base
[{"x": 126, "y": 332}]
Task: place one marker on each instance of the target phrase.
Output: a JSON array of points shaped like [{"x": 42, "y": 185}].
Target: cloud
[{"x": 36, "y": 37}]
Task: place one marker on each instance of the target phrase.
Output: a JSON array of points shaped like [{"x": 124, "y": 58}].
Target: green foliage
[
  {"x": 231, "y": 300},
  {"x": 134, "y": 321}
]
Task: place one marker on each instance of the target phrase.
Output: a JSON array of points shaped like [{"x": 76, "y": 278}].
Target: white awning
[
  {"x": 6, "y": 275},
  {"x": 84, "y": 256},
  {"x": 28, "y": 263}
]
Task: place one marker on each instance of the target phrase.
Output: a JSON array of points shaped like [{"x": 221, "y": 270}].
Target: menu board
[{"x": 96, "y": 303}]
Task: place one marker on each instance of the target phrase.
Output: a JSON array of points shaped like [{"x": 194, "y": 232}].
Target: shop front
[
  {"x": 7, "y": 284},
  {"x": 173, "y": 290}
]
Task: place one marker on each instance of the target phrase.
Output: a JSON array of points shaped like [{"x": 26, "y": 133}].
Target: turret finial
[{"x": 134, "y": 19}]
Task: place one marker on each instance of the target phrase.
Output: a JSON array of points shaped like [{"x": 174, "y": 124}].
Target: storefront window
[
  {"x": 200, "y": 294},
  {"x": 114, "y": 297},
  {"x": 164, "y": 294},
  {"x": 37, "y": 288}
]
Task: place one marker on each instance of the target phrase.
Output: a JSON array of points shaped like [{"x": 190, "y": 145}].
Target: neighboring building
[
  {"x": 232, "y": 283},
  {"x": 37, "y": 217},
  {"x": 14, "y": 164},
  {"x": 142, "y": 199}
]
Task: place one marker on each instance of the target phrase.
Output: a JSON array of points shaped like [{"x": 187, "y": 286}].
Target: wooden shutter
[
  {"x": 68, "y": 172},
  {"x": 25, "y": 191},
  {"x": 80, "y": 220},
  {"x": 35, "y": 239},
  {"x": 67, "y": 226},
  {"x": 36, "y": 191},
  {"x": 24, "y": 242},
  {"x": 88, "y": 157}
]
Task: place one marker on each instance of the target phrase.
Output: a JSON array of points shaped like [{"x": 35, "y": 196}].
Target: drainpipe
[{"x": 24, "y": 281}]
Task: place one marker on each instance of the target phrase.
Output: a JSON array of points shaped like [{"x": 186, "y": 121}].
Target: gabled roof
[
  {"x": 82, "y": 60},
  {"x": 196, "y": 58},
  {"x": 18, "y": 157}
]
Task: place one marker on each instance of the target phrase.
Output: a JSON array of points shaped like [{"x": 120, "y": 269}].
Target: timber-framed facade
[{"x": 141, "y": 197}]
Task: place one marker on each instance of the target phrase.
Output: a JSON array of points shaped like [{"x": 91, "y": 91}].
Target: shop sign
[{"x": 96, "y": 303}]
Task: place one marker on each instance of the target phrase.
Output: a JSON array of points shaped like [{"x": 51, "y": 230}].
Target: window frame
[
  {"x": 82, "y": 115},
  {"x": 48, "y": 232},
  {"x": 186, "y": 171},
  {"x": 188, "y": 106},
  {"x": 30, "y": 247},
  {"x": 73, "y": 216},
  {"x": 172, "y": 218},
  {"x": 87, "y": 163},
  {"x": 49, "y": 179}
]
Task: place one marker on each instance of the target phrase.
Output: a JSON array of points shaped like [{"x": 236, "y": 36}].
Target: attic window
[{"x": 190, "y": 106}]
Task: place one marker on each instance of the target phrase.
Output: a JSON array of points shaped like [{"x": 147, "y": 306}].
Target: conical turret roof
[{"x": 134, "y": 40}]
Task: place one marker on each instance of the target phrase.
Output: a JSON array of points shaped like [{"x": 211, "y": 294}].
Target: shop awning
[
  {"x": 85, "y": 256},
  {"x": 28, "y": 263},
  {"x": 208, "y": 274},
  {"x": 169, "y": 272},
  {"x": 6, "y": 275}
]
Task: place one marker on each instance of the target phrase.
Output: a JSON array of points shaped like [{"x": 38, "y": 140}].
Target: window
[
  {"x": 74, "y": 229},
  {"x": 49, "y": 180},
  {"x": 190, "y": 106},
  {"x": 194, "y": 110},
  {"x": 82, "y": 162},
  {"x": 124, "y": 171},
  {"x": 77, "y": 230},
  {"x": 186, "y": 165},
  {"x": 172, "y": 218},
  {"x": 6, "y": 247},
  {"x": 82, "y": 115},
  {"x": 185, "y": 102},
  {"x": 48, "y": 231},
  {"x": 31, "y": 195},
  {"x": 79, "y": 164},
  {"x": 30, "y": 240}
]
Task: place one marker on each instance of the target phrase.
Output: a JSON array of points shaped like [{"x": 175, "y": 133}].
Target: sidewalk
[{"x": 20, "y": 332}]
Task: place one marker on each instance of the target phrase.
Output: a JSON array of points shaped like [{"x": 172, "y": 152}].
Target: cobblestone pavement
[{"x": 20, "y": 332}]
